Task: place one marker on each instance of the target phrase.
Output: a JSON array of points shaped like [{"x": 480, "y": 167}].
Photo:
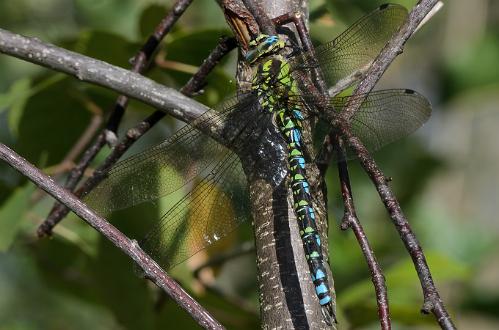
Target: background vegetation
[{"x": 446, "y": 175}]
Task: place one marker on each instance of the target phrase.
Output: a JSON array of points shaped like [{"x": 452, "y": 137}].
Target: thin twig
[
  {"x": 139, "y": 65},
  {"x": 432, "y": 301},
  {"x": 143, "y": 57},
  {"x": 128, "y": 246},
  {"x": 219, "y": 260},
  {"x": 161, "y": 62},
  {"x": 350, "y": 220},
  {"x": 193, "y": 85},
  {"x": 68, "y": 162}
]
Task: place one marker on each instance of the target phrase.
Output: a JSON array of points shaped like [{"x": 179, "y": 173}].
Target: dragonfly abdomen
[
  {"x": 277, "y": 91},
  {"x": 290, "y": 127}
]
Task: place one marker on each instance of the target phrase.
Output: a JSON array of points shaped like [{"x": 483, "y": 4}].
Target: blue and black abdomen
[{"x": 277, "y": 91}]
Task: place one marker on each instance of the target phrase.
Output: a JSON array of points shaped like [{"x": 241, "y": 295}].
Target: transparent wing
[
  {"x": 215, "y": 206},
  {"x": 218, "y": 201},
  {"x": 356, "y": 47},
  {"x": 166, "y": 167},
  {"x": 386, "y": 116},
  {"x": 203, "y": 180}
]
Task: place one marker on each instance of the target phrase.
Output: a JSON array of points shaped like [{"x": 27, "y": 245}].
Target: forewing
[
  {"x": 218, "y": 202},
  {"x": 163, "y": 169},
  {"x": 356, "y": 47}
]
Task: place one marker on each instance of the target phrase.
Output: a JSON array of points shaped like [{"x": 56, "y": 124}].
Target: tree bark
[{"x": 287, "y": 294}]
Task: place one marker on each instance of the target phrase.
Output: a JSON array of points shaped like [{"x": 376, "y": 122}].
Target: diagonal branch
[
  {"x": 125, "y": 244},
  {"x": 432, "y": 301},
  {"x": 140, "y": 63},
  {"x": 193, "y": 85},
  {"x": 101, "y": 73},
  {"x": 393, "y": 48}
]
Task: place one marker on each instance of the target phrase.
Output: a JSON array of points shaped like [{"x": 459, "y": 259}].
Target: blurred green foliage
[{"x": 446, "y": 175}]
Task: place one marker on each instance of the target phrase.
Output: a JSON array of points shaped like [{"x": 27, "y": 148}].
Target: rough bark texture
[{"x": 287, "y": 294}]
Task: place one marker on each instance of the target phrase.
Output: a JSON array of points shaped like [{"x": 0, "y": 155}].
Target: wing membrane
[
  {"x": 163, "y": 169},
  {"x": 356, "y": 47},
  {"x": 213, "y": 208},
  {"x": 386, "y": 116}
]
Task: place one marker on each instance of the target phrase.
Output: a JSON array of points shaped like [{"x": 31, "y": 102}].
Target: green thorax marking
[{"x": 272, "y": 81}]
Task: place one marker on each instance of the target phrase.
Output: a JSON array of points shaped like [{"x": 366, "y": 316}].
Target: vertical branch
[
  {"x": 287, "y": 295},
  {"x": 350, "y": 220}
]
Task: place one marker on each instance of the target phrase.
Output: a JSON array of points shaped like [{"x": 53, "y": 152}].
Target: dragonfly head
[{"x": 263, "y": 45}]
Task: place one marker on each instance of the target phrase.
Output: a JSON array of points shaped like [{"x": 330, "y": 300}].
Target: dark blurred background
[{"x": 446, "y": 175}]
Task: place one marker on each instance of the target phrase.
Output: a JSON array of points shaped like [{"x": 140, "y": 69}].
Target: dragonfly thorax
[
  {"x": 264, "y": 45},
  {"x": 274, "y": 84}
]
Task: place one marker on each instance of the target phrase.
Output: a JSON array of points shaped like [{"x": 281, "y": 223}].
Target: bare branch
[
  {"x": 350, "y": 220},
  {"x": 128, "y": 246},
  {"x": 101, "y": 73},
  {"x": 194, "y": 84},
  {"x": 432, "y": 301}
]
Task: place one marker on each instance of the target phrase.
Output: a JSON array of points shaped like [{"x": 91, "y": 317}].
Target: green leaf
[
  {"x": 403, "y": 282},
  {"x": 11, "y": 215},
  {"x": 193, "y": 47},
  {"x": 150, "y": 18},
  {"x": 52, "y": 121},
  {"x": 28, "y": 301},
  {"x": 404, "y": 290},
  {"x": 475, "y": 66},
  {"x": 14, "y": 100},
  {"x": 106, "y": 46}
]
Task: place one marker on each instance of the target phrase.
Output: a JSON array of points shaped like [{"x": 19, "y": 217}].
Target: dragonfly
[{"x": 261, "y": 138}]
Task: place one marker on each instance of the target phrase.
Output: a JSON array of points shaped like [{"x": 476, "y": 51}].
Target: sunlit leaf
[{"x": 11, "y": 215}]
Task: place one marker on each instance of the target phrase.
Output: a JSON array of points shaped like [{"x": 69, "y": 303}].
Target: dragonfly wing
[
  {"x": 164, "y": 168},
  {"x": 207, "y": 176},
  {"x": 218, "y": 202},
  {"x": 213, "y": 208},
  {"x": 356, "y": 47},
  {"x": 386, "y": 116}
]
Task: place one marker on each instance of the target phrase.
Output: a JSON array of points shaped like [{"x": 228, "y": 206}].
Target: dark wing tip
[
  {"x": 384, "y": 6},
  {"x": 425, "y": 103}
]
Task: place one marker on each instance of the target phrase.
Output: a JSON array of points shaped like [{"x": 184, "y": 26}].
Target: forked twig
[{"x": 350, "y": 220}]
